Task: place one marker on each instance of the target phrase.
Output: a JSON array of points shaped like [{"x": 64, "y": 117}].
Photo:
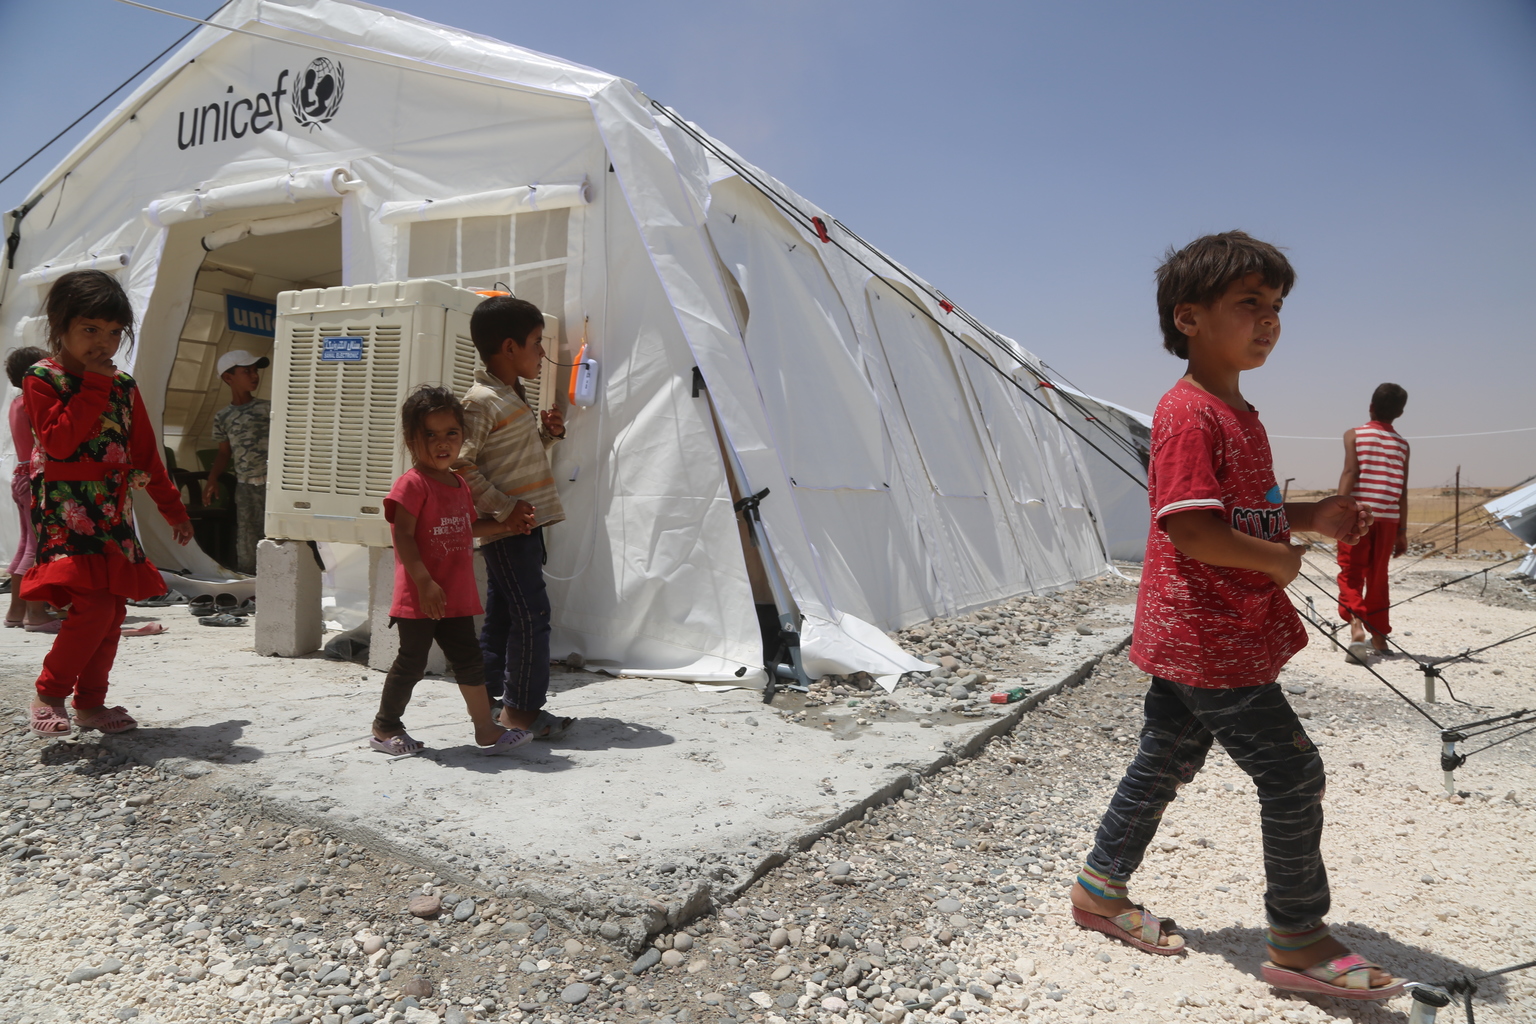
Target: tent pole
[{"x": 785, "y": 670}]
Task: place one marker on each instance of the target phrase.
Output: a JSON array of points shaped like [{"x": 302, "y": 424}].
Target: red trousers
[
  {"x": 84, "y": 649},
  {"x": 1363, "y": 577}
]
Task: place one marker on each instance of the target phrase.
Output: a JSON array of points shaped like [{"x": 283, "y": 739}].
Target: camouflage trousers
[{"x": 250, "y": 524}]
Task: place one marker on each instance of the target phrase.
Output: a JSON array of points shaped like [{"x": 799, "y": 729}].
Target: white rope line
[{"x": 1417, "y": 437}]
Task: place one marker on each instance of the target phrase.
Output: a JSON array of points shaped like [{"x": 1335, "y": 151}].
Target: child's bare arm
[
  {"x": 428, "y": 594},
  {"x": 1337, "y": 516},
  {"x": 1198, "y": 534},
  {"x": 521, "y": 521},
  {"x": 1350, "y": 478}
]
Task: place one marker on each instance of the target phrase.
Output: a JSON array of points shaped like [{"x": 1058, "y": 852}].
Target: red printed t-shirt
[
  {"x": 445, "y": 518},
  {"x": 1199, "y": 624}
]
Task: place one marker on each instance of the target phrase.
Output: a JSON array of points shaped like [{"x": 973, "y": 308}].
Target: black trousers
[
  {"x": 456, "y": 636},
  {"x": 515, "y": 637}
]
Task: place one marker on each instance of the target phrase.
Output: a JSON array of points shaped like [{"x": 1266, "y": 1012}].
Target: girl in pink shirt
[{"x": 432, "y": 516}]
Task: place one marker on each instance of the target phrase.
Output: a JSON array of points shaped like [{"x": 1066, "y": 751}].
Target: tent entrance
[{"x": 234, "y": 288}]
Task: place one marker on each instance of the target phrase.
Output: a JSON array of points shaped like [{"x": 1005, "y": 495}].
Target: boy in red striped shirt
[{"x": 1375, "y": 475}]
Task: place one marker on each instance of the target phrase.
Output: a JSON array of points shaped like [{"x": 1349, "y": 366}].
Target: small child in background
[
  {"x": 505, "y": 463},
  {"x": 94, "y": 444},
  {"x": 1376, "y": 475},
  {"x": 432, "y": 517},
  {"x": 241, "y": 428},
  {"x": 33, "y": 615}
]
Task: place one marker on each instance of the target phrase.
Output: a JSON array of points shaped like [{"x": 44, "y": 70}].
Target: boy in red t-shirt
[{"x": 1214, "y": 627}]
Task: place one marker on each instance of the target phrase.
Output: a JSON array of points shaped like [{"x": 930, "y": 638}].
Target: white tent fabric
[
  {"x": 497, "y": 202},
  {"x": 1121, "y": 445},
  {"x": 910, "y": 472}
]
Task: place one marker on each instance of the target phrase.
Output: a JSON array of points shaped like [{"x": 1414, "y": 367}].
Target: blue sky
[{"x": 1034, "y": 160}]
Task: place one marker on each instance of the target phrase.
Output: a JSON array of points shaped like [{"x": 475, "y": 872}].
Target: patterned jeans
[
  {"x": 1257, "y": 727},
  {"x": 250, "y": 524}
]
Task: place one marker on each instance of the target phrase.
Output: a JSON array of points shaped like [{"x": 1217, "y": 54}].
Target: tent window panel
[
  {"x": 930, "y": 390},
  {"x": 542, "y": 236},
  {"x": 180, "y": 409},
  {"x": 1005, "y": 418},
  {"x": 544, "y": 287},
  {"x": 802, "y": 347},
  {"x": 528, "y": 251},
  {"x": 189, "y": 370},
  {"x": 434, "y": 248},
  {"x": 200, "y": 323},
  {"x": 483, "y": 243}
]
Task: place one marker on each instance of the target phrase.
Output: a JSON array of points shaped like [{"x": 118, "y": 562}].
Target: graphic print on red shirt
[
  {"x": 445, "y": 519},
  {"x": 1209, "y": 625}
]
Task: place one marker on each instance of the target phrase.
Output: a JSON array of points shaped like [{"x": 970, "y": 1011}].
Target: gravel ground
[{"x": 132, "y": 894}]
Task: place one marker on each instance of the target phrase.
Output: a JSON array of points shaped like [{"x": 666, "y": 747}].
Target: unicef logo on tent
[{"x": 317, "y": 91}]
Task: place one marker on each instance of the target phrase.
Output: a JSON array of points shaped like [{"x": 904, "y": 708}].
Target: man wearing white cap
[{"x": 241, "y": 429}]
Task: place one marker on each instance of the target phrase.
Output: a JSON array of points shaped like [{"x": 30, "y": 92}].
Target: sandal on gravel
[
  {"x": 49, "y": 721},
  {"x": 221, "y": 619},
  {"x": 51, "y": 626},
  {"x": 549, "y": 727},
  {"x": 1343, "y": 977},
  {"x": 106, "y": 719},
  {"x": 508, "y": 740},
  {"x": 13, "y": 623},
  {"x": 402, "y": 745},
  {"x": 148, "y": 629},
  {"x": 1134, "y": 927},
  {"x": 201, "y": 605}
]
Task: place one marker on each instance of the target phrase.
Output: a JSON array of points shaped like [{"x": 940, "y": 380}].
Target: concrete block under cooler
[{"x": 289, "y": 623}]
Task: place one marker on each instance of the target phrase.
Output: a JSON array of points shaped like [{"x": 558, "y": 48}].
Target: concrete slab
[{"x": 662, "y": 797}]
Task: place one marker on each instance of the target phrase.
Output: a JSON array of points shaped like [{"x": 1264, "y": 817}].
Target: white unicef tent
[{"x": 914, "y": 468}]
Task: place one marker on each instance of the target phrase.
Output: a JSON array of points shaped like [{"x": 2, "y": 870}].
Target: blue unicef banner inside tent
[{"x": 251, "y": 316}]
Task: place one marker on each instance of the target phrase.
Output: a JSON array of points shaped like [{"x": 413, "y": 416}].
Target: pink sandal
[
  {"x": 1343, "y": 977},
  {"x": 106, "y": 719},
  {"x": 1134, "y": 927},
  {"x": 50, "y": 721}
]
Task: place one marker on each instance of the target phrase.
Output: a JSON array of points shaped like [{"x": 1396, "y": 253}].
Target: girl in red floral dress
[{"x": 95, "y": 445}]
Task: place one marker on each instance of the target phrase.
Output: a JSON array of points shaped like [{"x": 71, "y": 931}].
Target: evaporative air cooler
[{"x": 344, "y": 360}]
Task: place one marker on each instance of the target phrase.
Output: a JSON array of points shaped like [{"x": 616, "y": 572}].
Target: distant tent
[
  {"x": 747, "y": 339},
  {"x": 1516, "y": 512}
]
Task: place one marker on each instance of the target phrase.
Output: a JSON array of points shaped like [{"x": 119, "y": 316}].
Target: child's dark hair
[
  {"x": 423, "y": 402},
  {"x": 1387, "y": 402},
  {"x": 93, "y": 294},
  {"x": 1202, "y": 270},
  {"x": 20, "y": 360},
  {"x": 501, "y": 317}
]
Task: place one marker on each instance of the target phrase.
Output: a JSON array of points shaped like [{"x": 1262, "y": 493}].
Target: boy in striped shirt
[
  {"x": 1375, "y": 475},
  {"x": 504, "y": 462}
]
